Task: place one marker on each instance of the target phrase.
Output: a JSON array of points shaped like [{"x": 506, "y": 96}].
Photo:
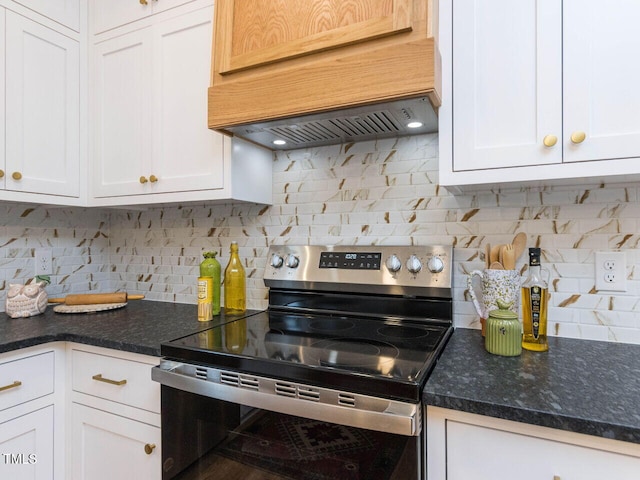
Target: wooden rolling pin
[{"x": 96, "y": 298}]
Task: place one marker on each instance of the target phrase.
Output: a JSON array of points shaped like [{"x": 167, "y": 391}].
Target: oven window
[
  {"x": 278, "y": 446},
  {"x": 229, "y": 441}
]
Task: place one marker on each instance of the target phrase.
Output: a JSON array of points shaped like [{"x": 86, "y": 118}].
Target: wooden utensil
[
  {"x": 496, "y": 266},
  {"x": 495, "y": 254},
  {"x": 96, "y": 298},
  {"x": 519, "y": 244},
  {"x": 509, "y": 257},
  {"x": 487, "y": 254}
]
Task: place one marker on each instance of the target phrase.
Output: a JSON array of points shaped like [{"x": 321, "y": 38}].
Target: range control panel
[
  {"x": 350, "y": 260},
  {"x": 382, "y": 269}
]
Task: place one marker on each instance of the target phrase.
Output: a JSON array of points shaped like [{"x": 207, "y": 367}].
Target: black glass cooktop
[{"x": 390, "y": 358}]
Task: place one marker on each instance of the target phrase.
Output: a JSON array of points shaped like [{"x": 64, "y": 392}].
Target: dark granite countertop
[
  {"x": 578, "y": 385},
  {"x": 139, "y": 327}
]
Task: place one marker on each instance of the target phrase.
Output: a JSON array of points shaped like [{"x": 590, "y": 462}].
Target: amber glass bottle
[
  {"x": 535, "y": 295},
  {"x": 235, "y": 290}
]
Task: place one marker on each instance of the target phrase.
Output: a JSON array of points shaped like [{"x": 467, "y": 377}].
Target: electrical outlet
[
  {"x": 43, "y": 261},
  {"x": 611, "y": 271}
]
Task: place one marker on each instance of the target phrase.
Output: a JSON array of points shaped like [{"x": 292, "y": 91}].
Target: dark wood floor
[{"x": 224, "y": 468}]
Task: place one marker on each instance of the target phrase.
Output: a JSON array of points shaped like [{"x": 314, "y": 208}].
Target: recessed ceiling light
[
  {"x": 279, "y": 142},
  {"x": 414, "y": 124}
]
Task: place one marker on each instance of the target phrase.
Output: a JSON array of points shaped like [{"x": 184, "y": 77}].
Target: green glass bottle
[
  {"x": 210, "y": 267},
  {"x": 235, "y": 290}
]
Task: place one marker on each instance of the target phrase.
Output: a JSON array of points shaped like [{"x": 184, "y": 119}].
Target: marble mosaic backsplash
[{"x": 383, "y": 192}]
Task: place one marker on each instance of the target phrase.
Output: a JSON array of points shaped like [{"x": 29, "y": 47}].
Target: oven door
[{"x": 206, "y": 438}]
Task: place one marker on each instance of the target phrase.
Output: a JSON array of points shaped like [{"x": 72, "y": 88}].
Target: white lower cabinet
[
  {"x": 32, "y": 429},
  {"x": 26, "y": 446},
  {"x": 108, "y": 446},
  {"x": 115, "y": 415},
  {"x": 461, "y": 446}
]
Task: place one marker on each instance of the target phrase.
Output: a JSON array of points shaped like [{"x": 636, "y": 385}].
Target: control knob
[
  {"x": 393, "y": 263},
  {"x": 276, "y": 261},
  {"x": 414, "y": 265},
  {"x": 435, "y": 265},
  {"x": 292, "y": 261}
]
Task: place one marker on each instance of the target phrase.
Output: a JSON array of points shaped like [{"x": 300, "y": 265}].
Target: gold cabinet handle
[
  {"x": 153, "y": 179},
  {"x": 550, "y": 140},
  {"x": 143, "y": 2},
  {"x": 99, "y": 378},
  {"x": 1, "y": 173},
  {"x": 578, "y": 137},
  {"x": 556, "y": 477},
  {"x": 143, "y": 179},
  {"x": 16, "y": 175},
  {"x": 149, "y": 448},
  {"x": 15, "y": 384}
]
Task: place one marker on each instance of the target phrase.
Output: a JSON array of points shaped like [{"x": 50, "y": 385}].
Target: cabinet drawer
[
  {"x": 26, "y": 379},
  {"x": 116, "y": 379}
]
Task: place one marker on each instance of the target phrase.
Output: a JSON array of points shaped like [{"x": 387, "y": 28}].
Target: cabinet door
[
  {"x": 108, "y": 14},
  {"x": 66, "y": 12},
  {"x": 162, "y": 5},
  {"x": 186, "y": 154},
  {"x": 3, "y": 172},
  {"x": 107, "y": 446},
  {"x": 26, "y": 446},
  {"x": 506, "y": 83},
  {"x": 43, "y": 105},
  {"x": 487, "y": 454},
  {"x": 122, "y": 89},
  {"x": 601, "y": 78}
]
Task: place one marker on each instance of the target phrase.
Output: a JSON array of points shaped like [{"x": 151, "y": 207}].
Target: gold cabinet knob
[
  {"x": 1, "y": 173},
  {"x": 16, "y": 175},
  {"x": 143, "y": 2},
  {"x": 149, "y": 447},
  {"x": 153, "y": 179},
  {"x": 550, "y": 140},
  {"x": 143, "y": 179},
  {"x": 578, "y": 137}
]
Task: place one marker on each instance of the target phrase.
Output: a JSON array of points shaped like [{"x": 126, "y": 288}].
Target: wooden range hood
[{"x": 319, "y": 72}]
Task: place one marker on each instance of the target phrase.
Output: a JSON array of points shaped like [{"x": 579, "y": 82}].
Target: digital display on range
[{"x": 350, "y": 261}]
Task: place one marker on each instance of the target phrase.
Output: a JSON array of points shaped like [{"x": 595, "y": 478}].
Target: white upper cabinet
[
  {"x": 601, "y": 78},
  {"x": 42, "y": 108},
  {"x": 3, "y": 172},
  {"x": 186, "y": 154},
  {"x": 121, "y": 115},
  {"x": 151, "y": 109},
  {"x": 506, "y": 79},
  {"x": 65, "y": 12},
  {"x": 538, "y": 91},
  {"x": 151, "y": 143}
]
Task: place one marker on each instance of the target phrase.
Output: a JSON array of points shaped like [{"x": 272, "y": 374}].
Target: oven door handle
[{"x": 385, "y": 415}]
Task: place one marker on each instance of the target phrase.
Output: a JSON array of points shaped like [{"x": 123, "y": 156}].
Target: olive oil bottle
[
  {"x": 235, "y": 289},
  {"x": 534, "y": 298}
]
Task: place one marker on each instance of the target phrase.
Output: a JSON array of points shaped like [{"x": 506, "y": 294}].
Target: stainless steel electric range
[{"x": 326, "y": 383}]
